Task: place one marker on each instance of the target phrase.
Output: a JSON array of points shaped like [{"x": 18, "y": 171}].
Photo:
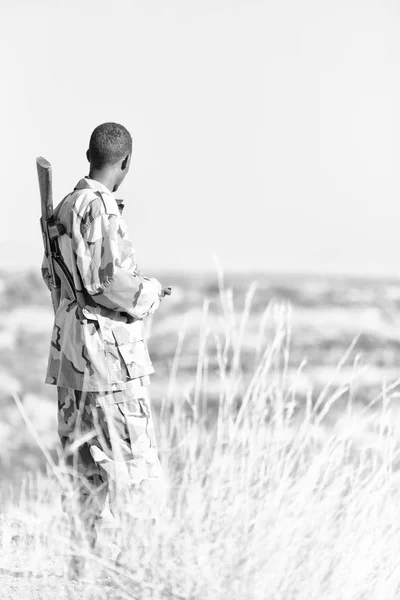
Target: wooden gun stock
[
  {"x": 45, "y": 185},
  {"x": 51, "y": 230}
]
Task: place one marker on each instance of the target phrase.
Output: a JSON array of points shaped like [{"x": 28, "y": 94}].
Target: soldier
[{"x": 98, "y": 355}]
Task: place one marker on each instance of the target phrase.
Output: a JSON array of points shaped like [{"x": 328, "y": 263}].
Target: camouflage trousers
[{"x": 109, "y": 451}]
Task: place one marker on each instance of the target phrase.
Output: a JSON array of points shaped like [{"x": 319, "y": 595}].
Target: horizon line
[{"x": 240, "y": 272}]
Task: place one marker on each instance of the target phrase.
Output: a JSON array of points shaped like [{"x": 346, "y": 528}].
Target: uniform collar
[{"x": 113, "y": 206}]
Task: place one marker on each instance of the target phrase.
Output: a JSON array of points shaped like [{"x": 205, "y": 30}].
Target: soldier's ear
[
  {"x": 88, "y": 155},
  {"x": 125, "y": 162}
]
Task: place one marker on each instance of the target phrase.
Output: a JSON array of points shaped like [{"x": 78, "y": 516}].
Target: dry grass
[{"x": 266, "y": 501}]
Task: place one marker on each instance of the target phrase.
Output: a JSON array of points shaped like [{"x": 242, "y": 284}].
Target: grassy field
[{"x": 278, "y": 423}]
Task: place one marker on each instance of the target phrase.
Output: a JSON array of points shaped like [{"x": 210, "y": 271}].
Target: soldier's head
[{"x": 110, "y": 149}]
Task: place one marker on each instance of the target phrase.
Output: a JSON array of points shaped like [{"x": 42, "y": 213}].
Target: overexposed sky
[{"x": 266, "y": 132}]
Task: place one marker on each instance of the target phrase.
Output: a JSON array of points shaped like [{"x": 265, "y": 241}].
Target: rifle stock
[
  {"x": 50, "y": 231},
  {"x": 45, "y": 185}
]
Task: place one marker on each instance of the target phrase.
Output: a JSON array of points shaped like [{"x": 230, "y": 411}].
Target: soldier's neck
[{"x": 103, "y": 176}]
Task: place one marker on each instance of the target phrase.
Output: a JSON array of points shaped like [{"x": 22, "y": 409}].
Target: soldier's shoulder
[
  {"x": 79, "y": 209},
  {"x": 87, "y": 204}
]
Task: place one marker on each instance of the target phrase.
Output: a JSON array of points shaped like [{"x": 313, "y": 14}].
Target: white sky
[{"x": 267, "y": 132}]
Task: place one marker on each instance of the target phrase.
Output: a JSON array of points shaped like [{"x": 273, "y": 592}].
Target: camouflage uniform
[
  {"x": 98, "y": 342},
  {"x": 99, "y": 358}
]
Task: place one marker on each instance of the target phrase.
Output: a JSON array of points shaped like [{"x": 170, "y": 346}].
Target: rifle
[{"x": 51, "y": 230}]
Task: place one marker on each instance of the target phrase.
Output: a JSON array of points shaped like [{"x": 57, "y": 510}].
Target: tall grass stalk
[{"x": 267, "y": 502}]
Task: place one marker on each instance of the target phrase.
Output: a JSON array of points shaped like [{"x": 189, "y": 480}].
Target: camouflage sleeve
[
  {"x": 108, "y": 269},
  {"x": 46, "y": 272}
]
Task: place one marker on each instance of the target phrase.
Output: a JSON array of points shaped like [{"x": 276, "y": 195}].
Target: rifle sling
[{"x": 64, "y": 275}]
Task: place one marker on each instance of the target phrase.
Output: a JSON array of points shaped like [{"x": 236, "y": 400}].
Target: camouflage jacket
[{"x": 98, "y": 341}]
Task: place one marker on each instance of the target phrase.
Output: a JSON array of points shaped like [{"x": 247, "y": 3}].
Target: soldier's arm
[{"x": 105, "y": 259}]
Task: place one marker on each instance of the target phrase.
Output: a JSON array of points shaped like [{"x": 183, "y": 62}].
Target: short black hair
[{"x": 109, "y": 143}]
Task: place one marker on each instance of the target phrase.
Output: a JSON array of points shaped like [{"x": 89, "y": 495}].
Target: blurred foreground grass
[
  {"x": 278, "y": 488},
  {"x": 326, "y": 315}
]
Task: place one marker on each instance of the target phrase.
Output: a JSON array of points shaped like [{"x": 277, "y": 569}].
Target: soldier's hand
[{"x": 165, "y": 291}]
